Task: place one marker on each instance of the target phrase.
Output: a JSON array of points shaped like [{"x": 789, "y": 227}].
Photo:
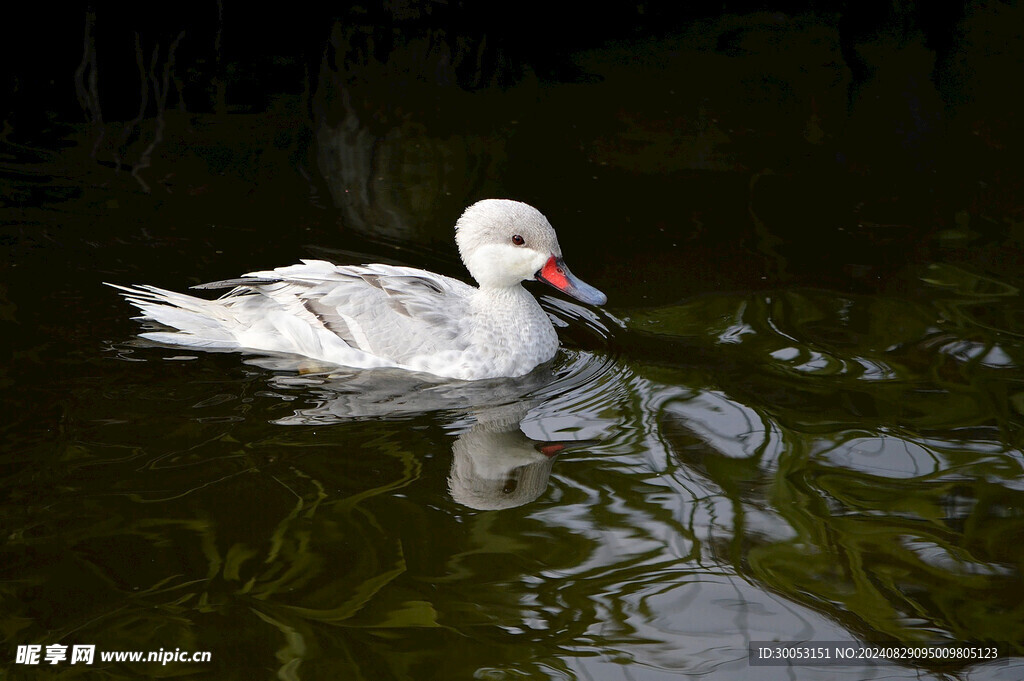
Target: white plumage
[{"x": 367, "y": 316}]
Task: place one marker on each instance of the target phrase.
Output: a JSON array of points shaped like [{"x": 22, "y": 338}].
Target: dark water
[{"x": 800, "y": 416}]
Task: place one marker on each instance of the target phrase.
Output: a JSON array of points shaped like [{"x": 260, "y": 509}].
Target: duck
[{"x": 375, "y": 315}]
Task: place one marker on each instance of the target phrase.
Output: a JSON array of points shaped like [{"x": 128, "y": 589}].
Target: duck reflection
[{"x": 495, "y": 465}]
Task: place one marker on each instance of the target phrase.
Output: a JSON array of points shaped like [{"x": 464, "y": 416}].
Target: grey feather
[{"x": 240, "y": 281}]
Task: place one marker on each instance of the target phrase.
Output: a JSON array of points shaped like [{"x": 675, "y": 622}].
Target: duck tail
[{"x": 194, "y": 321}]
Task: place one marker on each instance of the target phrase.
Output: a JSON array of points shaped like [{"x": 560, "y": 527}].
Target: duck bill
[{"x": 555, "y": 273}]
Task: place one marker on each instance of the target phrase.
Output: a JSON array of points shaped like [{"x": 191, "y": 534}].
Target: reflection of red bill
[
  {"x": 555, "y": 273},
  {"x": 551, "y": 448}
]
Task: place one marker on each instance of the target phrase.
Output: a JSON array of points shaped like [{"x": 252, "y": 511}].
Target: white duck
[{"x": 387, "y": 316}]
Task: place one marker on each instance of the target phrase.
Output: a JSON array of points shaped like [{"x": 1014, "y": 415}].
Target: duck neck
[
  {"x": 508, "y": 300},
  {"x": 513, "y": 319}
]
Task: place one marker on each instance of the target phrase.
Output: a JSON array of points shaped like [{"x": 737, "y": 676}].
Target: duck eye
[{"x": 518, "y": 240}]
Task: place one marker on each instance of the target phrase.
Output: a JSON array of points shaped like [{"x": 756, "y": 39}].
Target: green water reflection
[
  {"x": 787, "y": 464},
  {"x": 890, "y": 436}
]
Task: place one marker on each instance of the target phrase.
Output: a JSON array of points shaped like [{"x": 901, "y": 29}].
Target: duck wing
[{"x": 390, "y": 312}]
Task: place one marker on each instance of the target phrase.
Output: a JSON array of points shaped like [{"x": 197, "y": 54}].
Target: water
[{"x": 798, "y": 418}]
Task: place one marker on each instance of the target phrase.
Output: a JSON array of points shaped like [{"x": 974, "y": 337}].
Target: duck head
[{"x": 503, "y": 243}]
